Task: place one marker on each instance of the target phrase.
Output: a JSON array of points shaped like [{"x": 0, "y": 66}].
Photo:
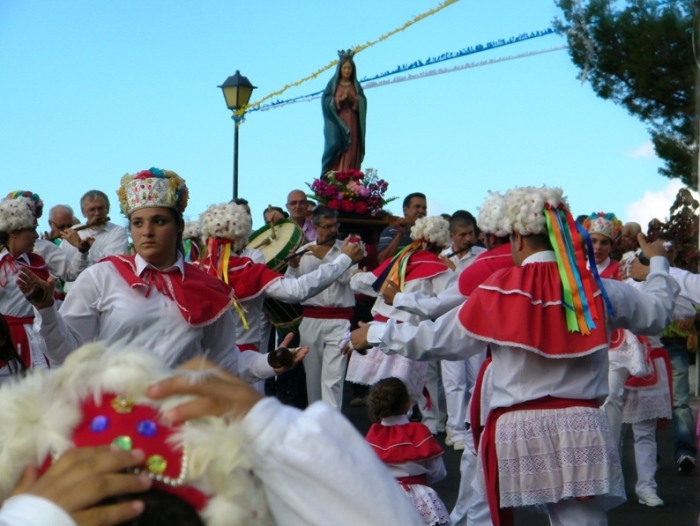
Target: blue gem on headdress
[
  {"x": 147, "y": 428},
  {"x": 99, "y": 424}
]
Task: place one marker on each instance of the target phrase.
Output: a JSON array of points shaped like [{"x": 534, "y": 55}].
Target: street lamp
[{"x": 237, "y": 90}]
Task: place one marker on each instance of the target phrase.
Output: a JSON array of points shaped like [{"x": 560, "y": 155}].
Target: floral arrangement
[{"x": 351, "y": 191}]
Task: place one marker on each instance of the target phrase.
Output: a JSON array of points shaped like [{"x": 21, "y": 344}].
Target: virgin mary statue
[{"x": 344, "y": 114}]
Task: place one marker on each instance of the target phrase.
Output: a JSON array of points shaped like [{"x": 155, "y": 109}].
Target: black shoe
[{"x": 686, "y": 464}]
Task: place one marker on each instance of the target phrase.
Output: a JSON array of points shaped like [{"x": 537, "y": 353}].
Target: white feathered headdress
[{"x": 99, "y": 392}]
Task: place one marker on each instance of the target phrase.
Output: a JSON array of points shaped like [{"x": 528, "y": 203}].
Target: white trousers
[
  {"x": 645, "y": 455},
  {"x": 324, "y": 365},
  {"x": 614, "y": 401},
  {"x": 572, "y": 512},
  {"x": 470, "y": 509},
  {"x": 433, "y": 418},
  {"x": 457, "y": 379}
]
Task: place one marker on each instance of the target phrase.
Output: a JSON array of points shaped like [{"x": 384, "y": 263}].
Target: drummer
[
  {"x": 226, "y": 228},
  {"x": 326, "y": 315}
]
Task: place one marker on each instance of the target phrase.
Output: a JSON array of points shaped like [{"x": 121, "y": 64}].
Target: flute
[
  {"x": 97, "y": 222},
  {"x": 463, "y": 249}
]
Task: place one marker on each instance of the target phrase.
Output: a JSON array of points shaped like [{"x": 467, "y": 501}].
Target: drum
[
  {"x": 276, "y": 241},
  {"x": 282, "y": 315}
]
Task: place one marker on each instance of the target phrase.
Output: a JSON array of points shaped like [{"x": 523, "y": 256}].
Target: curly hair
[{"x": 388, "y": 397}]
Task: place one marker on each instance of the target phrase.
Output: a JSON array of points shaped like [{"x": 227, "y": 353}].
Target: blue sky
[{"x": 93, "y": 90}]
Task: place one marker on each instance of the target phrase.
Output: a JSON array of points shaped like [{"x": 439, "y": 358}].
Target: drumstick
[
  {"x": 328, "y": 241},
  {"x": 273, "y": 234}
]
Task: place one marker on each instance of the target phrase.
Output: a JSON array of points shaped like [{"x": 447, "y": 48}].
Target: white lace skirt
[
  {"x": 375, "y": 366},
  {"x": 545, "y": 456},
  {"x": 428, "y": 504},
  {"x": 648, "y": 403}
]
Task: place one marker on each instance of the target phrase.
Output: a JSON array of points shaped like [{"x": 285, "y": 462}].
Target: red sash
[
  {"x": 201, "y": 298},
  {"x": 522, "y": 307},
  {"x": 504, "y": 516},
  {"x": 247, "y": 347},
  {"x": 416, "y": 479},
  {"x": 327, "y": 313}
]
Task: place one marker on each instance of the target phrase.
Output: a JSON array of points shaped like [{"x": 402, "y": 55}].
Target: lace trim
[
  {"x": 537, "y": 424},
  {"x": 567, "y": 490},
  {"x": 642, "y": 405}
]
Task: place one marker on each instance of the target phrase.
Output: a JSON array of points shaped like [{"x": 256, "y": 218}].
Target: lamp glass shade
[{"x": 237, "y": 91}]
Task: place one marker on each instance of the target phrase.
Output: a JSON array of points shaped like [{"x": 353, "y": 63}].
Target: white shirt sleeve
[
  {"x": 689, "y": 283},
  {"x": 647, "y": 312},
  {"x": 80, "y": 308},
  {"x": 429, "y": 306},
  {"x": 30, "y": 510},
  {"x": 361, "y": 283},
  {"x": 317, "y": 470},
  {"x": 62, "y": 264},
  {"x": 442, "y": 339},
  {"x": 436, "y": 469},
  {"x": 296, "y": 290}
]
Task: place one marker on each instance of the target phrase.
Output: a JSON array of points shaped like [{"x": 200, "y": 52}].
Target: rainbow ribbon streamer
[
  {"x": 238, "y": 114},
  {"x": 396, "y": 270},
  {"x": 594, "y": 270},
  {"x": 579, "y": 302}
]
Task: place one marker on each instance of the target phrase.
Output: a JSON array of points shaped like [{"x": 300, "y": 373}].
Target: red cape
[
  {"x": 522, "y": 307},
  {"x": 201, "y": 298},
  {"x": 421, "y": 265},
  {"x": 248, "y": 278},
  {"x": 484, "y": 265},
  {"x": 403, "y": 443}
]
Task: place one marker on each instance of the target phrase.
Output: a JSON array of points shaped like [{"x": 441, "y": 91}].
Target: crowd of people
[{"x": 135, "y": 361}]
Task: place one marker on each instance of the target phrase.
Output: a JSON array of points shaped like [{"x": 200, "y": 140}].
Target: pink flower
[{"x": 340, "y": 196}]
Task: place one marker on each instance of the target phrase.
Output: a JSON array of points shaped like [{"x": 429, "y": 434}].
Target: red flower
[
  {"x": 342, "y": 176},
  {"x": 356, "y": 174},
  {"x": 347, "y": 206},
  {"x": 361, "y": 208},
  {"x": 334, "y": 204}
]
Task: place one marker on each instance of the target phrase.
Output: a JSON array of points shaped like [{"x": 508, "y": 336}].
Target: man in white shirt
[
  {"x": 109, "y": 239},
  {"x": 457, "y": 376},
  {"x": 327, "y": 315}
]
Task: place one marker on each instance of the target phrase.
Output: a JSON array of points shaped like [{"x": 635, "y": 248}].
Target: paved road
[{"x": 681, "y": 493}]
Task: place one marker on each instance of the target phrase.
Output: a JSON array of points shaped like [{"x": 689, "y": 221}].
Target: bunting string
[
  {"x": 369, "y": 82},
  {"x": 446, "y": 3}
]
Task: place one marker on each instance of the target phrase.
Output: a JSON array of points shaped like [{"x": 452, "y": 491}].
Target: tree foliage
[{"x": 639, "y": 54}]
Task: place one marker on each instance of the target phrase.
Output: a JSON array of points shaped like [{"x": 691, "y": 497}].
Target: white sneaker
[
  {"x": 650, "y": 499},
  {"x": 448, "y": 440},
  {"x": 458, "y": 446}
]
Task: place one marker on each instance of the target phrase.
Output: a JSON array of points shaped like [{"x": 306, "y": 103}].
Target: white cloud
[
  {"x": 645, "y": 151},
  {"x": 654, "y": 204}
]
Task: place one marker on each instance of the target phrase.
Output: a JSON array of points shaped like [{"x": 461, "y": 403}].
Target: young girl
[{"x": 409, "y": 450}]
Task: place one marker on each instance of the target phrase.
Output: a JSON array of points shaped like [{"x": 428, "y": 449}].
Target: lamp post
[{"x": 237, "y": 90}]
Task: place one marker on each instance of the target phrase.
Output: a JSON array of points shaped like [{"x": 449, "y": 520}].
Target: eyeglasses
[
  {"x": 61, "y": 227},
  {"x": 297, "y": 203},
  {"x": 328, "y": 227}
]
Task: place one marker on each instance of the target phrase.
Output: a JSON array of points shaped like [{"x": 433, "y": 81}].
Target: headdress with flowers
[
  {"x": 544, "y": 210},
  {"x": 427, "y": 233},
  {"x": 98, "y": 397},
  {"x": 492, "y": 216},
  {"x": 351, "y": 191},
  {"x": 604, "y": 224},
  {"x": 35, "y": 202},
  {"x": 152, "y": 188},
  {"x": 16, "y": 214}
]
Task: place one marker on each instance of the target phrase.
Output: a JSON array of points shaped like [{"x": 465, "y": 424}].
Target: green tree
[{"x": 639, "y": 54}]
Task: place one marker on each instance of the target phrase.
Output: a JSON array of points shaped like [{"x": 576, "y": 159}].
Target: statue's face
[{"x": 346, "y": 70}]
